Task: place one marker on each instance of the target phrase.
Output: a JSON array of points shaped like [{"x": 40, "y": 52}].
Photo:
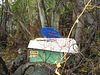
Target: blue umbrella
[{"x": 49, "y": 32}]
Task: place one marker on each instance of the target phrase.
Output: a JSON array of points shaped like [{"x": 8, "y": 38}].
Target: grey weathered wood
[{"x": 42, "y": 13}]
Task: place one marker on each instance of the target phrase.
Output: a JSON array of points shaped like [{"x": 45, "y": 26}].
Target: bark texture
[
  {"x": 55, "y": 15},
  {"x": 42, "y": 13}
]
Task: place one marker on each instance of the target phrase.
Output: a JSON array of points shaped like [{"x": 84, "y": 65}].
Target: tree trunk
[
  {"x": 6, "y": 17},
  {"x": 32, "y": 27},
  {"x": 55, "y": 15},
  {"x": 98, "y": 12},
  {"x": 74, "y": 18},
  {"x": 79, "y": 29},
  {"x": 42, "y": 13},
  {"x": 80, "y": 25},
  {"x": 1, "y": 20}
]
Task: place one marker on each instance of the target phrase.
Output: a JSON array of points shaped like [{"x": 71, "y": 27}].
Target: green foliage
[
  {"x": 2, "y": 47},
  {"x": 48, "y": 6},
  {"x": 16, "y": 7}
]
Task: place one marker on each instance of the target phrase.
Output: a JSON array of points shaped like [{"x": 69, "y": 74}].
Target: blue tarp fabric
[{"x": 49, "y": 32}]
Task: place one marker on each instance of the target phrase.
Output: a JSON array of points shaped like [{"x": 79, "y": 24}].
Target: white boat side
[{"x": 55, "y": 44}]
